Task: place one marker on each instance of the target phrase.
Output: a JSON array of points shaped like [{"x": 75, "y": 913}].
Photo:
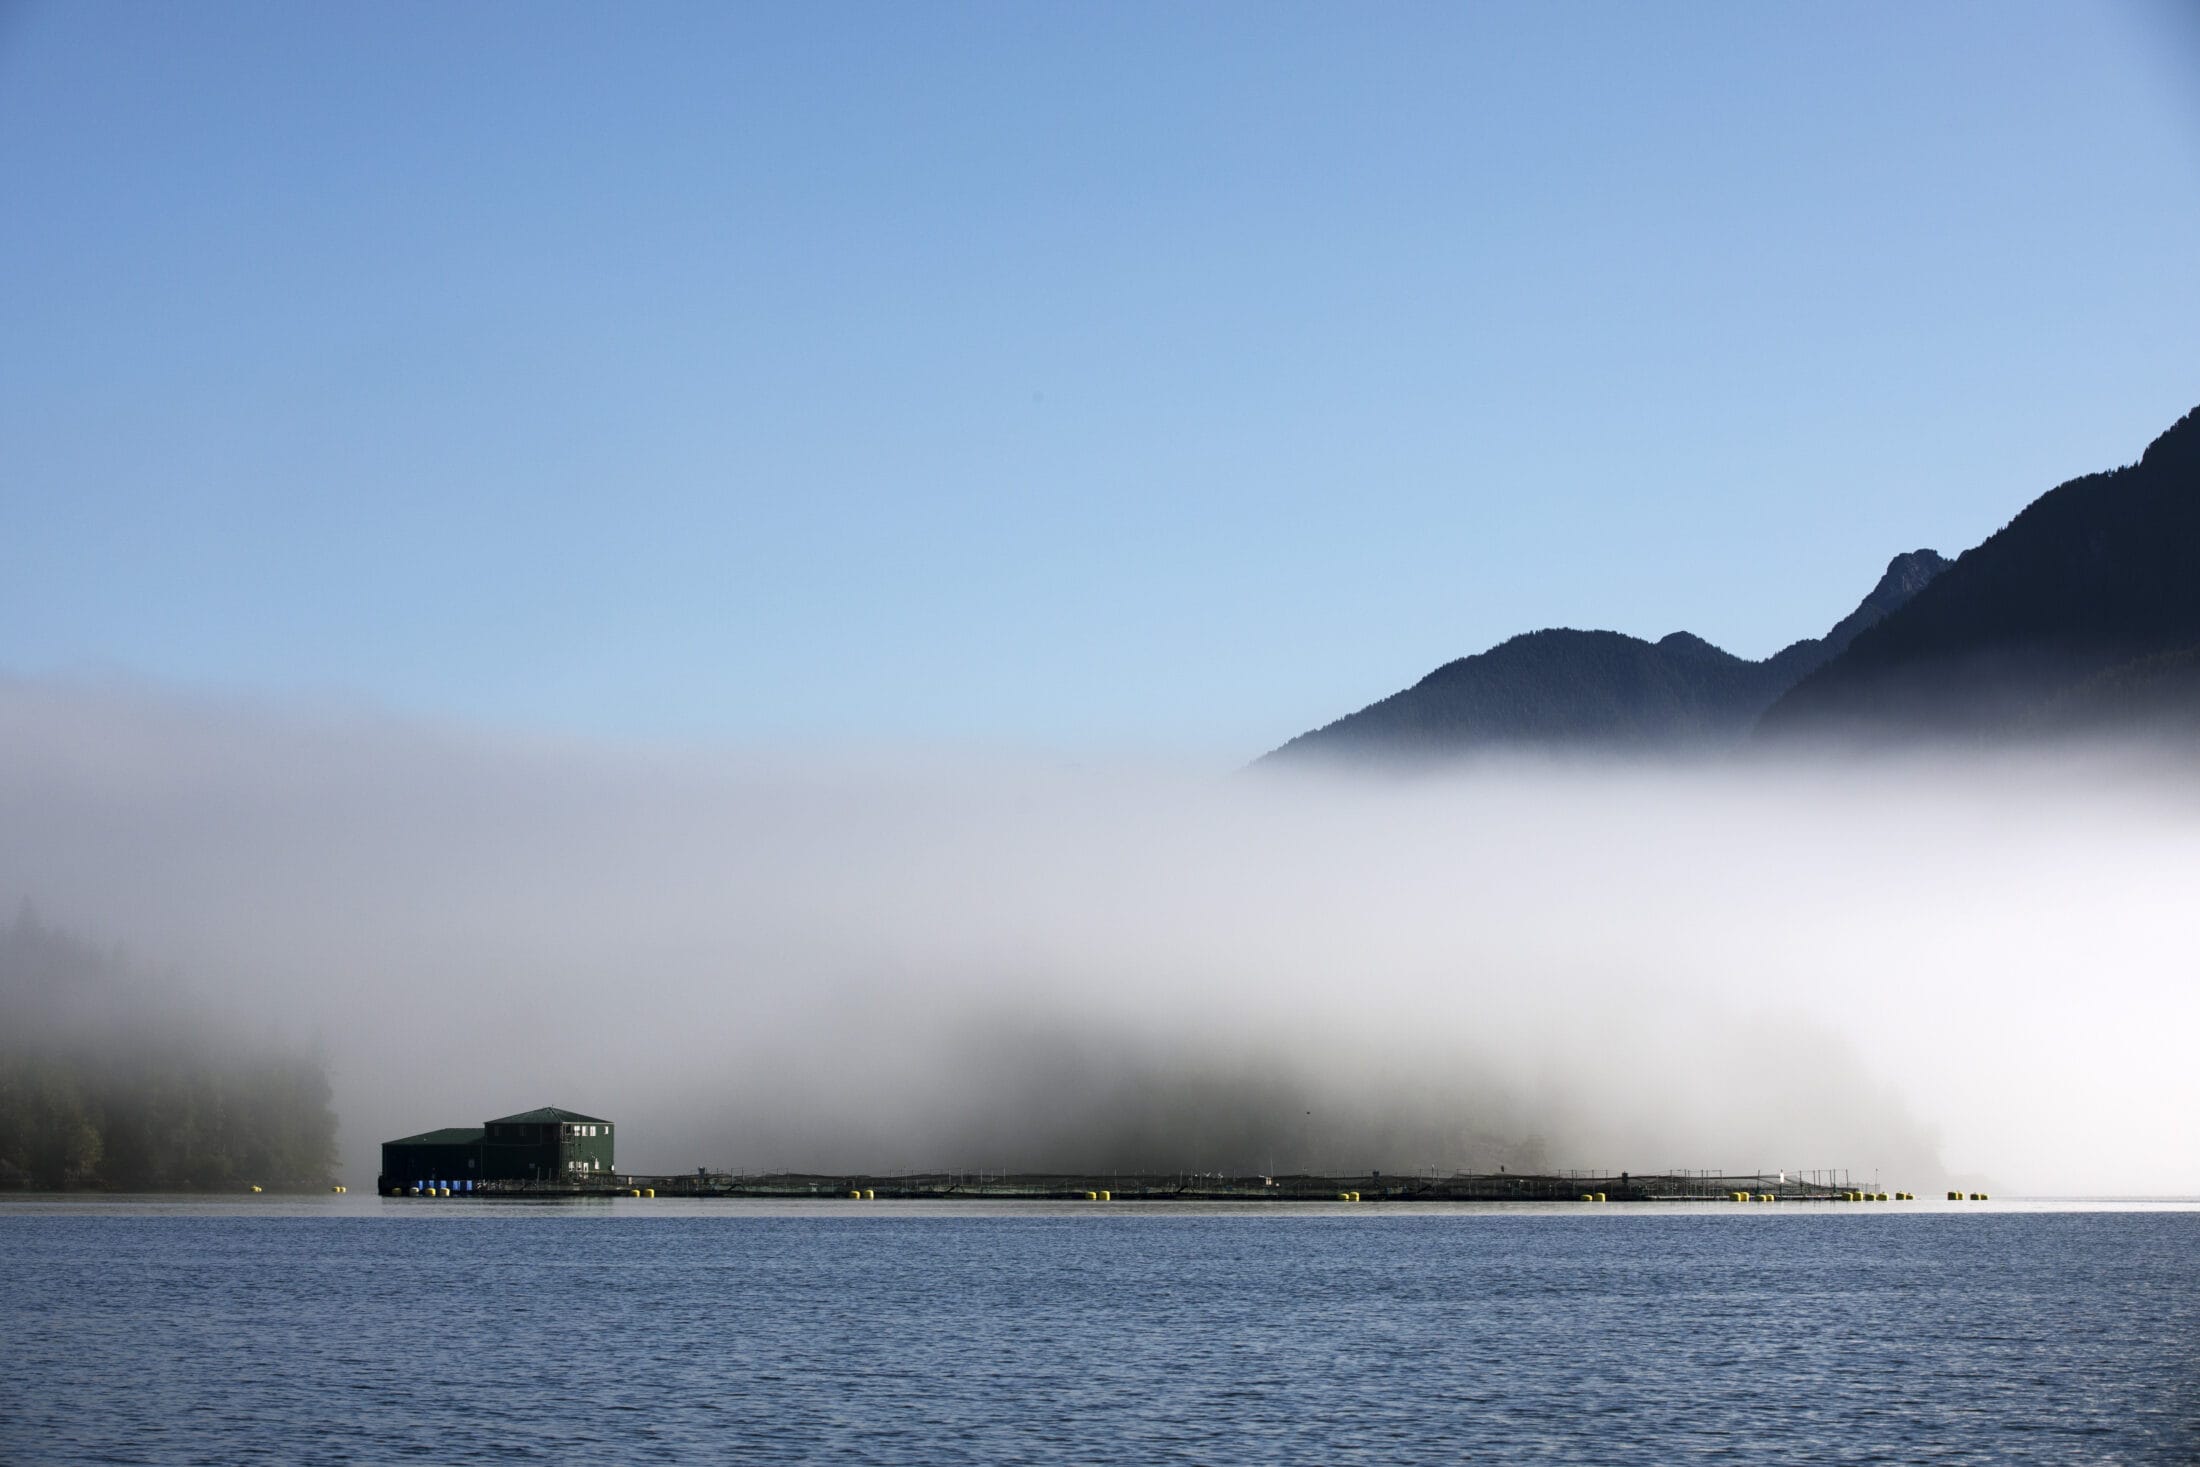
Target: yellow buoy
[
  {"x": 255, "y": 1189},
  {"x": 443, "y": 1192},
  {"x": 1600, "y": 1197},
  {"x": 1588, "y": 1196},
  {"x": 649, "y": 1191},
  {"x": 1092, "y": 1196},
  {"x": 1106, "y": 1195},
  {"x": 870, "y": 1194}
]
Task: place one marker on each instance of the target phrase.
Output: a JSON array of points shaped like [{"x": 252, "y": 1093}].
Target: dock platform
[{"x": 1505, "y": 1186}]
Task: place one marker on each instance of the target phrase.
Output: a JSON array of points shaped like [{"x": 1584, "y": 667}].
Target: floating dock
[{"x": 1504, "y": 1186}]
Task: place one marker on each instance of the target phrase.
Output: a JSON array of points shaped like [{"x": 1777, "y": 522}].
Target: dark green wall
[
  {"x": 540, "y": 1151},
  {"x": 403, "y": 1165}
]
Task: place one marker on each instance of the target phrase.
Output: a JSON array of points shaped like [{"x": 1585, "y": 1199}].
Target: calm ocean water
[{"x": 373, "y": 1331}]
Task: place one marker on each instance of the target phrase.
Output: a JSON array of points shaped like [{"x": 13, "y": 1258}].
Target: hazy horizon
[
  {"x": 780, "y": 960},
  {"x": 716, "y": 569}
]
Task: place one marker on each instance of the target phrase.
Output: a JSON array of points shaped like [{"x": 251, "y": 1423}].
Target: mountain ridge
[
  {"x": 2078, "y": 617},
  {"x": 1596, "y": 689},
  {"x": 2098, "y": 574}
]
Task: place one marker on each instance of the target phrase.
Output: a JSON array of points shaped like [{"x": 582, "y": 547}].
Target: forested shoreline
[{"x": 109, "y": 1081}]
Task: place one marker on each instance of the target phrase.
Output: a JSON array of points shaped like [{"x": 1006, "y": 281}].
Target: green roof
[
  {"x": 448, "y": 1136},
  {"x": 546, "y": 1113}
]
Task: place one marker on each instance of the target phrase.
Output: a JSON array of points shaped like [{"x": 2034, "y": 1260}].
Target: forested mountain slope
[{"x": 2076, "y": 609}]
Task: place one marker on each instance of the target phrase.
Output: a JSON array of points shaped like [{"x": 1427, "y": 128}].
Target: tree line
[{"x": 110, "y": 1081}]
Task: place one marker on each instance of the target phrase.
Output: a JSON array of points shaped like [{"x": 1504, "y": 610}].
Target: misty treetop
[{"x": 108, "y": 1082}]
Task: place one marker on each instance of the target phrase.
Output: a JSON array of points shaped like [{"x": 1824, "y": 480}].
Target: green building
[{"x": 545, "y": 1145}]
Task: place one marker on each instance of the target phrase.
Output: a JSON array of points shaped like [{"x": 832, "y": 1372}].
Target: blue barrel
[{"x": 467, "y": 1185}]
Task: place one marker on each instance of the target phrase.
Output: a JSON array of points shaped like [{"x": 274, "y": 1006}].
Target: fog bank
[{"x": 765, "y": 960}]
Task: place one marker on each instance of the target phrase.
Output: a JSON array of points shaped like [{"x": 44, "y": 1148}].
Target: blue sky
[{"x": 1095, "y": 376}]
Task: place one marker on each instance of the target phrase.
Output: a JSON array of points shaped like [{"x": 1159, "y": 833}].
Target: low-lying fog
[{"x": 1979, "y": 968}]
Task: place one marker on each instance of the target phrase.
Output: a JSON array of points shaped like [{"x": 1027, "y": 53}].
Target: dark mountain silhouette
[
  {"x": 2082, "y": 614},
  {"x": 1596, "y": 690}
]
